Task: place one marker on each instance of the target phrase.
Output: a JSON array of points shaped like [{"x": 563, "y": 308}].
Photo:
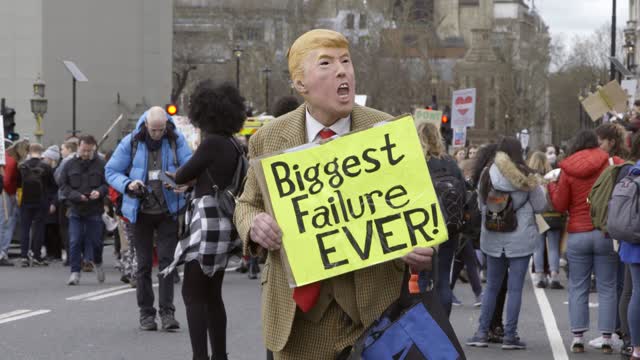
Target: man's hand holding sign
[{"x": 341, "y": 206}]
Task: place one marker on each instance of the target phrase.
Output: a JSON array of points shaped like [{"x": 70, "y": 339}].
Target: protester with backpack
[
  {"x": 470, "y": 239},
  {"x": 137, "y": 170},
  {"x": 38, "y": 199},
  {"x": 449, "y": 185},
  {"x": 217, "y": 165},
  {"x": 587, "y": 248},
  {"x": 612, "y": 138},
  {"x": 622, "y": 224},
  {"x": 548, "y": 246},
  {"x": 509, "y": 195},
  {"x": 483, "y": 159}
]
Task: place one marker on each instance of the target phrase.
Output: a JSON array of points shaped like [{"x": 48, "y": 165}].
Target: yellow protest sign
[{"x": 355, "y": 201}]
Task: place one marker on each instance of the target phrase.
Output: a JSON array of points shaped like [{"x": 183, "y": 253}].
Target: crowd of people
[{"x": 503, "y": 208}]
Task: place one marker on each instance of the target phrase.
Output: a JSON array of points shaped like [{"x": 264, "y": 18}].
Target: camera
[{"x": 139, "y": 193}]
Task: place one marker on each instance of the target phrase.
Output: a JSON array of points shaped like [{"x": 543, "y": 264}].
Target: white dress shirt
[{"x": 314, "y": 127}]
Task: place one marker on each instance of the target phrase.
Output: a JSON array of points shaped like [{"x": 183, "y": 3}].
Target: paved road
[{"x": 42, "y": 318}]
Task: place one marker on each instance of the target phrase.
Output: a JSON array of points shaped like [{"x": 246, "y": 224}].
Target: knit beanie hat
[{"x": 53, "y": 153}]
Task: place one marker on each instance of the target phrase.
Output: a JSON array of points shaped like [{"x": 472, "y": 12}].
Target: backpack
[
  {"x": 228, "y": 196},
  {"x": 472, "y": 214},
  {"x": 624, "y": 208},
  {"x": 451, "y": 194},
  {"x": 601, "y": 194},
  {"x": 32, "y": 176},
  {"x": 500, "y": 215}
]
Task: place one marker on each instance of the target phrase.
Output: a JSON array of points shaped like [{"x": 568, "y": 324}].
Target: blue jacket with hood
[{"x": 120, "y": 162}]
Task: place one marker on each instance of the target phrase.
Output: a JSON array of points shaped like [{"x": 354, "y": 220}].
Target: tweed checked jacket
[{"x": 376, "y": 287}]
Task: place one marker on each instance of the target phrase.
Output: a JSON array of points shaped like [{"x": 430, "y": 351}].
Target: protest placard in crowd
[{"x": 352, "y": 202}]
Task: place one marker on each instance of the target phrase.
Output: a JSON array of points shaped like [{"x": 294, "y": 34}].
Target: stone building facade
[{"x": 411, "y": 49}]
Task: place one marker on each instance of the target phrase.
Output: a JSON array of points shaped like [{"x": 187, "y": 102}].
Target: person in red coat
[
  {"x": 587, "y": 248},
  {"x": 8, "y": 208}
]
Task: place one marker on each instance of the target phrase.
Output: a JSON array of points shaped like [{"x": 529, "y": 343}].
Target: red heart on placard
[{"x": 461, "y": 101}]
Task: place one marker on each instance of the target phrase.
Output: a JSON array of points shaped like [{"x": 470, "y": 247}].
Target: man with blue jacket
[{"x": 135, "y": 170}]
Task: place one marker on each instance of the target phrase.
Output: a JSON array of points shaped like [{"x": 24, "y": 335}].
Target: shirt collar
[{"x": 314, "y": 127}]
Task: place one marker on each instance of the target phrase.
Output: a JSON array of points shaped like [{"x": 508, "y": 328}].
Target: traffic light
[
  {"x": 171, "y": 109},
  {"x": 445, "y": 126},
  {"x": 9, "y": 122}
]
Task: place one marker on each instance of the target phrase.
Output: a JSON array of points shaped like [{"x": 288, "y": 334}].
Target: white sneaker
[
  {"x": 616, "y": 342},
  {"x": 74, "y": 279},
  {"x": 99, "y": 273}
]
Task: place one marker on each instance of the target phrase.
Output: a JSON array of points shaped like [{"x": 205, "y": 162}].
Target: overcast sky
[{"x": 579, "y": 17}]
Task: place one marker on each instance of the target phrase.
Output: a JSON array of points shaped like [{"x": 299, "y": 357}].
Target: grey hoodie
[{"x": 528, "y": 197}]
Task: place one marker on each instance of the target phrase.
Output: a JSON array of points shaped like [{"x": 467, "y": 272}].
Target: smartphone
[{"x": 167, "y": 180}]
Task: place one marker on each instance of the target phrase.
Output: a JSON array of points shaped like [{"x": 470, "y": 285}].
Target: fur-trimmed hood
[{"x": 505, "y": 175}]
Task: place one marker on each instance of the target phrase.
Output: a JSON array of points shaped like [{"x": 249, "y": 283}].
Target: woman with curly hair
[{"x": 219, "y": 113}]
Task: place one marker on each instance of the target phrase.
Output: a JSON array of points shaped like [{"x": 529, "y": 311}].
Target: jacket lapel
[{"x": 295, "y": 132}]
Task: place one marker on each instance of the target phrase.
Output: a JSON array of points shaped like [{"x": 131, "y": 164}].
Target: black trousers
[
  {"x": 166, "y": 229},
  {"x": 206, "y": 313}
]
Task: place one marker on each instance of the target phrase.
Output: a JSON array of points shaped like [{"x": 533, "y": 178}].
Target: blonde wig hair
[
  {"x": 538, "y": 162},
  {"x": 309, "y": 41},
  {"x": 431, "y": 140}
]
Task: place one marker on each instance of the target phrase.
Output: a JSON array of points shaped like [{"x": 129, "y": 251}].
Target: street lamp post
[
  {"x": 266, "y": 72},
  {"x": 39, "y": 106},
  {"x": 630, "y": 44},
  {"x": 237, "y": 52}
]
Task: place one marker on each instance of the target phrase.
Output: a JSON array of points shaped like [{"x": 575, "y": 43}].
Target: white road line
[
  {"x": 553, "y": 333},
  {"x": 24, "y": 316},
  {"x": 13, "y": 313},
  {"x": 115, "y": 293},
  {"x": 94, "y": 293}
]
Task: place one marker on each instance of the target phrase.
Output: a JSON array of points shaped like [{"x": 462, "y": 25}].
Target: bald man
[
  {"x": 321, "y": 320},
  {"x": 154, "y": 147}
]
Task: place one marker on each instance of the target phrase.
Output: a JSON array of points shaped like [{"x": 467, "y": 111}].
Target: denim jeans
[
  {"x": 467, "y": 257},
  {"x": 589, "y": 252},
  {"x": 32, "y": 215},
  {"x": 166, "y": 228},
  {"x": 496, "y": 270},
  {"x": 550, "y": 240},
  {"x": 85, "y": 238},
  {"x": 8, "y": 225},
  {"x": 633, "y": 314},
  {"x": 446, "y": 252}
]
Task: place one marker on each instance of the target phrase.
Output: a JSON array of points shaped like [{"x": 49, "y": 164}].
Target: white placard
[
  {"x": 361, "y": 100},
  {"x": 463, "y": 108},
  {"x": 459, "y": 137},
  {"x": 631, "y": 88},
  {"x": 2, "y": 159}
]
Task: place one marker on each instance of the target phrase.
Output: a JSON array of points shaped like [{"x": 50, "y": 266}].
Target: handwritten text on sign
[{"x": 353, "y": 202}]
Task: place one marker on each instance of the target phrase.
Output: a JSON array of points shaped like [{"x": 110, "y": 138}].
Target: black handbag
[{"x": 414, "y": 327}]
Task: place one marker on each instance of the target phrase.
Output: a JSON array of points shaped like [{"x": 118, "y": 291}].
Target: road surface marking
[
  {"x": 24, "y": 316},
  {"x": 13, "y": 313},
  {"x": 94, "y": 293},
  {"x": 553, "y": 333},
  {"x": 592, "y": 305},
  {"x": 115, "y": 293}
]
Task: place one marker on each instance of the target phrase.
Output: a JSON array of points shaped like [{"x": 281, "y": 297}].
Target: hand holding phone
[{"x": 167, "y": 180}]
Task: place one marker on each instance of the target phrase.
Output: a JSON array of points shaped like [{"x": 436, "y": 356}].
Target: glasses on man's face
[{"x": 158, "y": 131}]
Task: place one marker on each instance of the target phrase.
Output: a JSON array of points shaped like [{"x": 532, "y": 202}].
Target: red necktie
[
  {"x": 326, "y": 133},
  {"x": 307, "y": 296}
]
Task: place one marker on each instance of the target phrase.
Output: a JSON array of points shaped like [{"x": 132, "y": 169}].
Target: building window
[
  {"x": 350, "y": 21},
  {"x": 249, "y": 33},
  {"x": 363, "y": 21},
  {"x": 410, "y": 40}
]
